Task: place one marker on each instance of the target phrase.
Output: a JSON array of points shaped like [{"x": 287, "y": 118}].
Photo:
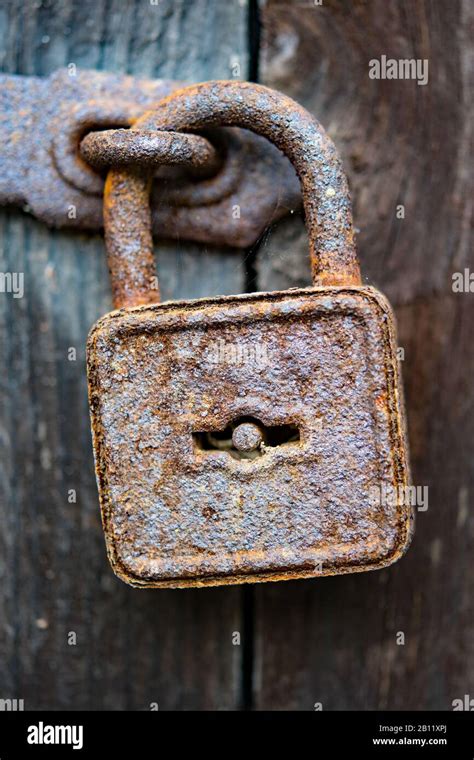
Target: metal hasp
[
  {"x": 44, "y": 119},
  {"x": 243, "y": 438}
]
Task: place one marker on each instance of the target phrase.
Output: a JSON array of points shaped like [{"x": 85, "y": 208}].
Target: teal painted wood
[{"x": 132, "y": 648}]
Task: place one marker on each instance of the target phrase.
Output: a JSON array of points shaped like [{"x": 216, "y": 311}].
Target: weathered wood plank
[
  {"x": 333, "y": 641},
  {"x": 133, "y": 648}
]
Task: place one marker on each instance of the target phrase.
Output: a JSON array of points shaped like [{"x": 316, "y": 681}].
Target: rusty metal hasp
[
  {"x": 242, "y": 438},
  {"x": 44, "y": 119}
]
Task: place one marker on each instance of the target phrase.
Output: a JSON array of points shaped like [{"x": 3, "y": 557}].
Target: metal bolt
[
  {"x": 120, "y": 147},
  {"x": 247, "y": 436}
]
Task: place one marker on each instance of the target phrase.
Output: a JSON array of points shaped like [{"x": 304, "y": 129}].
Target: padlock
[{"x": 245, "y": 438}]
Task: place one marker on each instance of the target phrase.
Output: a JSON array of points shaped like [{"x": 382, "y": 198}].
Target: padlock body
[{"x": 181, "y": 506}]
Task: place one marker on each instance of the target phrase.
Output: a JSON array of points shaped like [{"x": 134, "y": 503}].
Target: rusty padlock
[{"x": 240, "y": 438}]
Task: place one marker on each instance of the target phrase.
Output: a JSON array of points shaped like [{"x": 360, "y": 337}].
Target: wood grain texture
[
  {"x": 133, "y": 648},
  {"x": 331, "y": 641},
  {"x": 334, "y": 641}
]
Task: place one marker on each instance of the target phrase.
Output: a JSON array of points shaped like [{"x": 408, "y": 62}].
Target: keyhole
[{"x": 246, "y": 438}]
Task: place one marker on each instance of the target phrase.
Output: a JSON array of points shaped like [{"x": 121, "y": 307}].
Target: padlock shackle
[{"x": 269, "y": 113}]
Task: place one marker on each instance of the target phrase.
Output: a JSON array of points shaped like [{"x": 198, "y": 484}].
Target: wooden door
[{"x": 72, "y": 635}]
